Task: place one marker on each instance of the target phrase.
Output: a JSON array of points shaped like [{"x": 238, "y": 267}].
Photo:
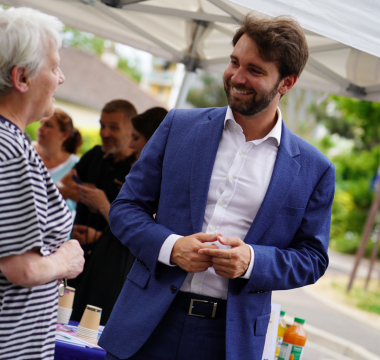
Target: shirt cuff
[
  {"x": 248, "y": 273},
  {"x": 166, "y": 249}
]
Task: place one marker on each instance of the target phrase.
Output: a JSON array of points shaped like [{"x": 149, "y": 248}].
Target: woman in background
[
  {"x": 143, "y": 127},
  {"x": 57, "y": 143}
]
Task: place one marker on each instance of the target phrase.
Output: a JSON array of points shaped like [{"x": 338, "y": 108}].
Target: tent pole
[{"x": 182, "y": 95}]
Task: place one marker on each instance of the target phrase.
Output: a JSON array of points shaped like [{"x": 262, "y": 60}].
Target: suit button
[{"x": 173, "y": 288}]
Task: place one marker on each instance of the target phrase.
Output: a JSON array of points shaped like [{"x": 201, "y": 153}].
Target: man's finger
[
  {"x": 208, "y": 246},
  {"x": 220, "y": 253},
  {"x": 231, "y": 241},
  {"x": 207, "y": 237}
]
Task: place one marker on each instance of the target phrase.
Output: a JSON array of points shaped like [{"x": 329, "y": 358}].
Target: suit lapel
[
  {"x": 285, "y": 171},
  {"x": 206, "y": 146}
]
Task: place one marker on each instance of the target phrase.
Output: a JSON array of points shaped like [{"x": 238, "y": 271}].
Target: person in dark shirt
[{"x": 94, "y": 183}]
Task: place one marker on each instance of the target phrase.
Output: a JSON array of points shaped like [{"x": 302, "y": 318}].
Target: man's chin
[{"x": 108, "y": 149}]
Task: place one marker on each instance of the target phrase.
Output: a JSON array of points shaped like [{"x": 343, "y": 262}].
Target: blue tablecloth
[{"x": 64, "y": 351}]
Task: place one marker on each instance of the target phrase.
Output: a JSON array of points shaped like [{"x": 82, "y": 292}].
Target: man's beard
[{"x": 253, "y": 106}]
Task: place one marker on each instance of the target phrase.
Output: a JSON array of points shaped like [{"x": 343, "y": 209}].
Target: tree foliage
[
  {"x": 357, "y": 120},
  {"x": 354, "y": 119},
  {"x": 210, "y": 95},
  {"x": 96, "y": 45},
  {"x": 133, "y": 71},
  {"x": 83, "y": 41}
]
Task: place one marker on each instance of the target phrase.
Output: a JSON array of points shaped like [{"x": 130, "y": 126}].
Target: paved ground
[{"x": 329, "y": 319}]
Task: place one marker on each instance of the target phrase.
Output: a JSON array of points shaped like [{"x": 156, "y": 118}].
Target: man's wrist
[
  {"x": 248, "y": 273},
  {"x": 166, "y": 249}
]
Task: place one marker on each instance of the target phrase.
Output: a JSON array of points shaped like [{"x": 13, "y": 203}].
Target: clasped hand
[{"x": 193, "y": 254}]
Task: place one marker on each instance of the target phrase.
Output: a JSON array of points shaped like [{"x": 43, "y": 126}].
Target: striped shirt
[{"x": 32, "y": 215}]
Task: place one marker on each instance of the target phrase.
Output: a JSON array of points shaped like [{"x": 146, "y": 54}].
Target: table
[{"x": 64, "y": 351}]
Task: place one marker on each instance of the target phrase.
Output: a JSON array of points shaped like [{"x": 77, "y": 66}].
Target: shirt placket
[{"x": 221, "y": 207}]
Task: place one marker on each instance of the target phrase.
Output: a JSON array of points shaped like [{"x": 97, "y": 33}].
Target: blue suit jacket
[{"x": 289, "y": 235}]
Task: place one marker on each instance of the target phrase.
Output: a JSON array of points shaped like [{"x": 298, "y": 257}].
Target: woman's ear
[
  {"x": 65, "y": 136},
  {"x": 19, "y": 79}
]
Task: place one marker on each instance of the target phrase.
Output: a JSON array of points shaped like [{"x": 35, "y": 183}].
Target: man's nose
[
  {"x": 104, "y": 133},
  {"x": 239, "y": 76}
]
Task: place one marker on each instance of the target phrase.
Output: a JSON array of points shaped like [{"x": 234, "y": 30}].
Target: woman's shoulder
[{"x": 13, "y": 143}]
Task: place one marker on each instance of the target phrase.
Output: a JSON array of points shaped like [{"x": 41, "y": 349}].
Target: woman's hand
[
  {"x": 95, "y": 199},
  {"x": 31, "y": 268},
  {"x": 79, "y": 233},
  {"x": 71, "y": 256}
]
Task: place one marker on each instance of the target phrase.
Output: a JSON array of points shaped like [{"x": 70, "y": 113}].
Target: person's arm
[
  {"x": 85, "y": 234},
  {"x": 131, "y": 214},
  {"x": 32, "y": 268},
  {"x": 305, "y": 260},
  {"x": 300, "y": 264}
]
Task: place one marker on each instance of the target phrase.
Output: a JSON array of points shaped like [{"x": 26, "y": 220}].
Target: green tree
[
  {"x": 133, "y": 72},
  {"x": 351, "y": 118},
  {"x": 210, "y": 95},
  {"x": 83, "y": 41},
  {"x": 96, "y": 45},
  {"x": 359, "y": 121}
]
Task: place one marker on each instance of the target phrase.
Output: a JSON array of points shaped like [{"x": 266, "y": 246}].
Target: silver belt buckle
[{"x": 204, "y": 301}]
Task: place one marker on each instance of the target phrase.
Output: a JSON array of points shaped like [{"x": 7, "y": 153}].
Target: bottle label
[
  {"x": 290, "y": 352},
  {"x": 279, "y": 343}
]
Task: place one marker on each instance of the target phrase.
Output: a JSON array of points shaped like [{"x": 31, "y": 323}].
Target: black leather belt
[{"x": 201, "y": 306}]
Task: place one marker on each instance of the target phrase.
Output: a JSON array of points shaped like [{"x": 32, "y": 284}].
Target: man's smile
[{"x": 241, "y": 91}]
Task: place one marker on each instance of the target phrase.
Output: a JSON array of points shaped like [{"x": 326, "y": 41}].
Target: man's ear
[
  {"x": 19, "y": 79},
  {"x": 287, "y": 83}
]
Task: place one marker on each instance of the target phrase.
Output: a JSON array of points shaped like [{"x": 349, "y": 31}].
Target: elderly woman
[{"x": 34, "y": 219}]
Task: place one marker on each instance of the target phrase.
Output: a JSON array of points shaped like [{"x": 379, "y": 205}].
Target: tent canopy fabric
[{"x": 343, "y": 37}]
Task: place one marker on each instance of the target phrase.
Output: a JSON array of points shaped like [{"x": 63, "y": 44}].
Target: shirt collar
[{"x": 274, "y": 133}]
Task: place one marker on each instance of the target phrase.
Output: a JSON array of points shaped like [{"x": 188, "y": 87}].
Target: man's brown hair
[
  {"x": 279, "y": 40},
  {"x": 120, "y": 105}
]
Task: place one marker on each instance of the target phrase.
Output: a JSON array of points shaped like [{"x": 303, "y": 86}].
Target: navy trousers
[{"x": 180, "y": 336}]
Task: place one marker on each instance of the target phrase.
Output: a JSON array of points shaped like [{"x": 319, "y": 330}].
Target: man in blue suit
[{"x": 242, "y": 206}]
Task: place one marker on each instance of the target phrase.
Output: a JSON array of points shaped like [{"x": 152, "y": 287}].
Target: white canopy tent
[{"x": 344, "y": 52}]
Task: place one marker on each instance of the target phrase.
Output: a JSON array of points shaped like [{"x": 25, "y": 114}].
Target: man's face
[
  {"x": 251, "y": 83},
  {"x": 115, "y": 131}
]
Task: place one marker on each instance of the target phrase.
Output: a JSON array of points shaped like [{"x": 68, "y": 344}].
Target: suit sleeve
[
  {"x": 131, "y": 214},
  {"x": 306, "y": 259}
]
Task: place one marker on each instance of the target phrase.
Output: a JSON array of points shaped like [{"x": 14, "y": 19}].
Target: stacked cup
[
  {"x": 89, "y": 324},
  {"x": 65, "y": 306}
]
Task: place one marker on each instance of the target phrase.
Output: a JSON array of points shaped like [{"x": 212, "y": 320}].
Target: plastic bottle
[
  {"x": 294, "y": 341},
  {"x": 280, "y": 333}
]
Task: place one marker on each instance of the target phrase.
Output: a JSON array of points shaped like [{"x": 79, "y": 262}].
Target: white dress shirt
[{"x": 239, "y": 182}]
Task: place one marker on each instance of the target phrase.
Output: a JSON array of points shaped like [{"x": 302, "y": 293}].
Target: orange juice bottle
[
  {"x": 294, "y": 341},
  {"x": 280, "y": 332}
]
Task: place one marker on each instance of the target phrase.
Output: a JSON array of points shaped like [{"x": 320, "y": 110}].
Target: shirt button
[
  {"x": 231, "y": 178},
  {"x": 236, "y": 127},
  {"x": 212, "y": 228},
  {"x": 196, "y": 282},
  {"x": 221, "y": 202},
  {"x": 241, "y": 152}
]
